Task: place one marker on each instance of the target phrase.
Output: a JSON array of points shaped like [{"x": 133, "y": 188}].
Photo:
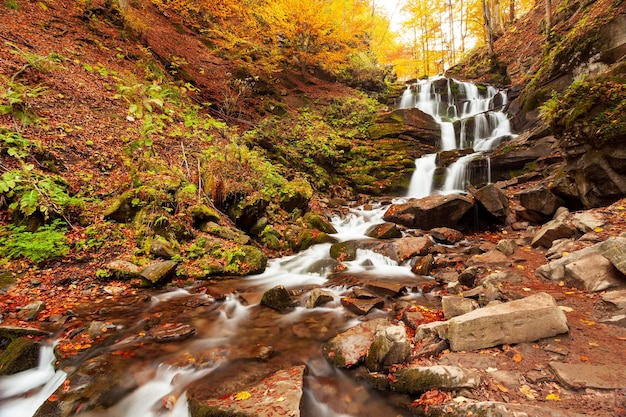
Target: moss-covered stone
[
  {"x": 279, "y": 299},
  {"x": 21, "y": 354},
  {"x": 344, "y": 251},
  {"x": 316, "y": 221}
]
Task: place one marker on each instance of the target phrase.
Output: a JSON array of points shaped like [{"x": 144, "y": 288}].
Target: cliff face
[{"x": 567, "y": 90}]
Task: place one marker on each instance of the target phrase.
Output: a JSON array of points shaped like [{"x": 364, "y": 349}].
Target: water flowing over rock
[
  {"x": 470, "y": 119},
  {"x": 430, "y": 212},
  {"x": 278, "y": 394}
]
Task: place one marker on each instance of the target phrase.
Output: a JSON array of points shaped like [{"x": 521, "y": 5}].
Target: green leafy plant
[
  {"x": 28, "y": 192},
  {"x": 41, "y": 63},
  {"x": 11, "y": 4},
  {"x": 14, "y": 144},
  {"x": 46, "y": 243},
  {"x": 16, "y": 100}
]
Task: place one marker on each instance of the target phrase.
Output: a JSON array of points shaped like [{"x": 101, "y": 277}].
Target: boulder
[
  {"x": 170, "y": 332},
  {"x": 279, "y": 299},
  {"x": 587, "y": 221},
  {"x": 406, "y": 122},
  {"x": 455, "y": 306},
  {"x": 615, "y": 251},
  {"x": 30, "y": 311},
  {"x": 539, "y": 199},
  {"x": 592, "y": 272},
  {"x": 386, "y": 287},
  {"x": 318, "y": 297},
  {"x": 317, "y": 221},
  {"x": 422, "y": 265},
  {"x": 506, "y": 246},
  {"x": 446, "y": 235},
  {"x": 492, "y": 200},
  {"x": 350, "y": 347},
  {"x": 390, "y": 346},
  {"x": 20, "y": 355},
  {"x": 617, "y": 298},
  {"x": 157, "y": 273},
  {"x": 558, "y": 228},
  {"x": 122, "y": 270},
  {"x": 493, "y": 258},
  {"x": 384, "y": 231},
  {"x": 280, "y": 393},
  {"x": 411, "y": 246},
  {"x": 419, "y": 379},
  {"x": 430, "y": 212},
  {"x": 161, "y": 248},
  {"x": 524, "y": 320},
  {"x": 361, "y": 306}
]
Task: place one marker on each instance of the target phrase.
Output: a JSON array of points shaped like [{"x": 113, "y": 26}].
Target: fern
[{"x": 47, "y": 243}]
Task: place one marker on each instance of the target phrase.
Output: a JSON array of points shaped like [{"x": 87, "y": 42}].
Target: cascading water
[
  {"x": 225, "y": 327},
  {"x": 470, "y": 117}
]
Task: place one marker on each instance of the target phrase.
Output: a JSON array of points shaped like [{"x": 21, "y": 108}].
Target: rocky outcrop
[{"x": 430, "y": 212}]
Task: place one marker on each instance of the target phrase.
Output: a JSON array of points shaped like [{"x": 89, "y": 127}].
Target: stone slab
[
  {"x": 590, "y": 376},
  {"x": 524, "y": 320}
]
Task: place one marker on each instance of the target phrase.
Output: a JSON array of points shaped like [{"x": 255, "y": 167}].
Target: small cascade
[
  {"x": 470, "y": 117},
  {"x": 425, "y": 169}
]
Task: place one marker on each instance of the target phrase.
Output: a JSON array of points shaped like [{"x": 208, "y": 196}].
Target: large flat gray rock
[
  {"x": 582, "y": 375},
  {"x": 592, "y": 272},
  {"x": 524, "y": 320}
]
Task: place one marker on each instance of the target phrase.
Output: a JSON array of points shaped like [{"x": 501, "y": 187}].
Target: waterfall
[
  {"x": 476, "y": 111},
  {"x": 424, "y": 169}
]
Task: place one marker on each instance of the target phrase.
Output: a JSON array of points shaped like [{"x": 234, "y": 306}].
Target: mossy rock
[
  {"x": 226, "y": 233},
  {"x": 20, "y": 355},
  {"x": 296, "y": 194},
  {"x": 246, "y": 260},
  {"x": 317, "y": 221},
  {"x": 344, "y": 251},
  {"x": 246, "y": 213},
  {"x": 202, "y": 213},
  {"x": 271, "y": 238},
  {"x": 121, "y": 208},
  {"x": 279, "y": 299}
]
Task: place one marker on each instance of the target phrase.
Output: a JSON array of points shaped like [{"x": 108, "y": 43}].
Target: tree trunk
[
  {"x": 488, "y": 26},
  {"x": 548, "y": 17}
]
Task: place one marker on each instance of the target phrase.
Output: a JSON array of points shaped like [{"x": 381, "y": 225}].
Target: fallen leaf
[
  {"x": 491, "y": 369},
  {"x": 517, "y": 357},
  {"x": 584, "y": 358},
  {"x": 588, "y": 322},
  {"x": 242, "y": 396},
  {"x": 280, "y": 399},
  {"x": 566, "y": 309},
  {"x": 530, "y": 393},
  {"x": 526, "y": 289},
  {"x": 594, "y": 344},
  {"x": 598, "y": 229},
  {"x": 553, "y": 397},
  {"x": 502, "y": 388}
]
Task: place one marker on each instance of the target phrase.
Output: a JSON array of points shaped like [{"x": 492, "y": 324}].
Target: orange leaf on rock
[{"x": 517, "y": 357}]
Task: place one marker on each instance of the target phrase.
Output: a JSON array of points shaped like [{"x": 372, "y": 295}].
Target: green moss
[{"x": 21, "y": 354}]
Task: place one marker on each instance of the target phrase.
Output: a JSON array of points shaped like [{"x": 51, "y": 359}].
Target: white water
[
  {"x": 163, "y": 391},
  {"x": 465, "y": 103}
]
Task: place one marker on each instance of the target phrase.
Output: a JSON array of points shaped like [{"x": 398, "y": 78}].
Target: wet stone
[
  {"x": 446, "y": 235},
  {"x": 157, "y": 273},
  {"x": 29, "y": 312},
  {"x": 20, "y": 355},
  {"x": 386, "y": 287},
  {"x": 361, "y": 306},
  {"x": 422, "y": 265},
  {"x": 350, "y": 347},
  {"x": 279, "y": 299},
  {"x": 416, "y": 380},
  {"x": 171, "y": 332},
  {"x": 122, "y": 270},
  {"x": 384, "y": 231},
  {"x": 318, "y": 297}
]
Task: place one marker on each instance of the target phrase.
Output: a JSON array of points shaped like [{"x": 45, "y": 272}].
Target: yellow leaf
[
  {"x": 566, "y": 309},
  {"x": 502, "y": 388},
  {"x": 530, "y": 393},
  {"x": 553, "y": 397},
  {"x": 594, "y": 344},
  {"x": 242, "y": 396},
  {"x": 517, "y": 357},
  {"x": 280, "y": 399},
  {"x": 588, "y": 322},
  {"x": 598, "y": 229}
]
